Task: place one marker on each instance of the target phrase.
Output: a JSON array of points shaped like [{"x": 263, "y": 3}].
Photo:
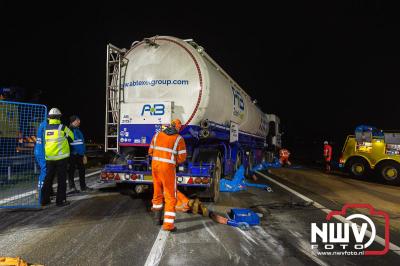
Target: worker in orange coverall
[
  {"x": 168, "y": 149},
  {"x": 284, "y": 157}
]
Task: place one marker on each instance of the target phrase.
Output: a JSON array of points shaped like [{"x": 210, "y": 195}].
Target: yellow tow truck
[
  {"x": 7, "y": 261},
  {"x": 372, "y": 150}
]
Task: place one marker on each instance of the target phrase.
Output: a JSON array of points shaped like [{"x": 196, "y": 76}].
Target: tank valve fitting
[
  {"x": 205, "y": 123},
  {"x": 204, "y": 133}
]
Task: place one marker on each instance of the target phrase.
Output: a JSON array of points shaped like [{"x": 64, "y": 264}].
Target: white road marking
[
  {"x": 235, "y": 256},
  {"x": 157, "y": 250},
  {"x": 32, "y": 192},
  {"x": 394, "y": 248},
  {"x": 304, "y": 246}
]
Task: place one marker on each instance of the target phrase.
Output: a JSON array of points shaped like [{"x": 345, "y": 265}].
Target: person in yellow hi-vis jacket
[{"x": 56, "y": 147}]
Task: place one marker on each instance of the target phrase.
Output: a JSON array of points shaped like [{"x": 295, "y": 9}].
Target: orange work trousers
[
  {"x": 284, "y": 160},
  {"x": 182, "y": 202},
  {"x": 164, "y": 182}
]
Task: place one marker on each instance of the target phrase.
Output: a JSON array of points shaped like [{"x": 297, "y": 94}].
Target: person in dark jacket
[{"x": 77, "y": 158}]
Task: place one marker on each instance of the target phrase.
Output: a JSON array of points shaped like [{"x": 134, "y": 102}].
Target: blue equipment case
[{"x": 243, "y": 218}]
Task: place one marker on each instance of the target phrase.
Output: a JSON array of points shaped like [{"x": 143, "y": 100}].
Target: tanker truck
[{"x": 163, "y": 78}]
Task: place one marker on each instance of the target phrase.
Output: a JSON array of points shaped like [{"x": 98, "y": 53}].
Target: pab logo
[{"x": 156, "y": 109}]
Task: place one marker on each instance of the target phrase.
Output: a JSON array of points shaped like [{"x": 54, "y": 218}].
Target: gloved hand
[{"x": 84, "y": 159}]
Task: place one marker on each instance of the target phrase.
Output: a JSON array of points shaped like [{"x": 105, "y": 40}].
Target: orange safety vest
[{"x": 169, "y": 149}]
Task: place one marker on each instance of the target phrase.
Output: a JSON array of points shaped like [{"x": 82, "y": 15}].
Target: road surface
[{"x": 106, "y": 227}]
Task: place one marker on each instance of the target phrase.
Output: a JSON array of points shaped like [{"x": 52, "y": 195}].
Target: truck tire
[
  {"x": 390, "y": 172},
  {"x": 250, "y": 163},
  {"x": 358, "y": 167},
  {"x": 212, "y": 193},
  {"x": 238, "y": 161},
  {"x": 269, "y": 156},
  {"x": 215, "y": 182}
]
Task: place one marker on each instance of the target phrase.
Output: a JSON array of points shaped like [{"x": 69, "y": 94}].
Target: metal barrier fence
[{"x": 19, "y": 171}]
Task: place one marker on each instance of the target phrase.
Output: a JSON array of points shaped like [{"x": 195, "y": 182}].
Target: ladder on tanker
[{"x": 115, "y": 79}]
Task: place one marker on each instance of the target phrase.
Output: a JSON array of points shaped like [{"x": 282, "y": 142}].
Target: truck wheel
[
  {"x": 212, "y": 192},
  {"x": 238, "y": 161},
  {"x": 358, "y": 167},
  {"x": 250, "y": 164},
  {"x": 390, "y": 171},
  {"x": 214, "y": 186},
  {"x": 269, "y": 156}
]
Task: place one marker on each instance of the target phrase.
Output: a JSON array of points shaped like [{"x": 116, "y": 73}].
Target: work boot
[
  {"x": 157, "y": 218},
  {"x": 204, "y": 210},
  {"x": 74, "y": 190},
  {"x": 195, "y": 208},
  {"x": 87, "y": 189},
  {"x": 171, "y": 230}
]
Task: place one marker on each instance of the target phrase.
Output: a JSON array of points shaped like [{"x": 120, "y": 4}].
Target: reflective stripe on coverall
[{"x": 167, "y": 151}]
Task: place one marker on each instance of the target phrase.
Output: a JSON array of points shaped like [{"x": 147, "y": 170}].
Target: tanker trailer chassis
[{"x": 211, "y": 156}]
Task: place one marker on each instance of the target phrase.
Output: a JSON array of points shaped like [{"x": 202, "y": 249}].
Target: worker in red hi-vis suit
[
  {"x": 167, "y": 149},
  {"x": 284, "y": 157},
  {"x": 327, "y": 156}
]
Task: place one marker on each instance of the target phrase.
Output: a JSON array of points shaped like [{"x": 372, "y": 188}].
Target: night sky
[{"x": 324, "y": 68}]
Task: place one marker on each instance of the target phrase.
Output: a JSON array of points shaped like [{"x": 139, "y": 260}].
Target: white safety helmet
[
  {"x": 325, "y": 142},
  {"x": 54, "y": 111}
]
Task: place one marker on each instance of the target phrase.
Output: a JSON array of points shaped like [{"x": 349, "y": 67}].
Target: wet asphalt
[{"x": 106, "y": 227}]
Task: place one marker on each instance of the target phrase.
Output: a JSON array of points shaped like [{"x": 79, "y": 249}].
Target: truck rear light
[
  {"x": 341, "y": 160},
  {"x": 133, "y": 176},
  {"x": 110, "y": 176},
  {"x": 117, "y": 177},
  {"x": 103, "y": 175},
  {"x": 206, "y": 180},
  {"x": 197, "y": 180}
]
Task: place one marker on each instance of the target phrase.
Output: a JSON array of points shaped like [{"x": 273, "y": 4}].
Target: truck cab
[{"x": 372, "y": 150}]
